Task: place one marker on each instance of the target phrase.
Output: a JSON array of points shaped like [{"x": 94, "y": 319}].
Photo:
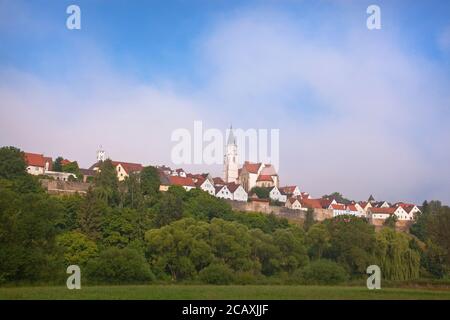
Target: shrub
[
  {"x": 321, "y": 272},
  {"x": 216, "y": 273},
  {"x": 115, "y": 265}
]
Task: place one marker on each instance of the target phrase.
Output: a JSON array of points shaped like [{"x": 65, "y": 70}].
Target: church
[{"x": 251, "y": 174}]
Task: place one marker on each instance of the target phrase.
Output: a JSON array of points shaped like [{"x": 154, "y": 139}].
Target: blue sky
[{"x": 359, "y": 111}]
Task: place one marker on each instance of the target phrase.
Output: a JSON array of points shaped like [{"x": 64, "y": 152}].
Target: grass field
[{"x": 208, "y": 292}]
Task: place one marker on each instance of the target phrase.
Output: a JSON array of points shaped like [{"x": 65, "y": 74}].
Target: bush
[
  {"x": 321, "y": 272},
  {"x": 116, "y": 265},
  {"x": 216, "y": 273}
]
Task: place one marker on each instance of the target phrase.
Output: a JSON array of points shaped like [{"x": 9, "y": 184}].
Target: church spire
[{"x": 231, "y": 137}]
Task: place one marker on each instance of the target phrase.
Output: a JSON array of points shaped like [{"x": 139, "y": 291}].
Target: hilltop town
[{"x": 251, "y": 187}]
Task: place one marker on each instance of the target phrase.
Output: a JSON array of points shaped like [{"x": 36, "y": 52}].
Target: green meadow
[{"x": 211, "y": 292}]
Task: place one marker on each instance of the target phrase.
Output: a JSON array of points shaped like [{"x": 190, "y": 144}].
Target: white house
[
  {"x": 380, "y": 213},
  {"x": 223, "y": 192},
  {"x": 238, "y": 192},
  {"x": 205, "y": 185},
  {"x": 186, "y": 183},
  {"x": 402, "y": 214},
  {"x": 37, "y": 164},
  {"x": 338, "y": 209},
  {"x": 293, "y": 203},
  {"x": 276, "y": 195}
]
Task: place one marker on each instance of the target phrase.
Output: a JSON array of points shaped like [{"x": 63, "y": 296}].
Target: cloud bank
[{"x": 357, "y": 112}]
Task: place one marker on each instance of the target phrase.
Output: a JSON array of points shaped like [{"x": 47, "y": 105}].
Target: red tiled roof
[
  {"x": 311, "y": 203},
  {"x": 287, "y": 189},
  {"x": 181, "y": 181},
  {"x": 264, "y": 178},
  {"x": 352, "y": 207},
  {"x": 218, "y": 181},
  {"x": 233, "y": 186},
  {"x": 325, "y": 203},
  {"x": 338, "y": 206},
  {"x": 37, "y": 160},
  {"x": 128, "y": 166},
  {"x": 292, "y": 200},
  {"x": 65, "y": 161},
  {"x": 252, "y": 167}
]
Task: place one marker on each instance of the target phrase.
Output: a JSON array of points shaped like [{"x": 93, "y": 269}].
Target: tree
[
  {"x": 391, "y": 221},
  {"x": 169, "y": 208},
  {"x": 318, "y": 240},
  {"x": 12, "y": 163},
  {"x": 57, "y": 164},
  {"x": 217, "y": 273},
  {"x": 396, "y": 259},
  {"x": 72, "y": 167},
  {"x": 323, "y": 271},
  {"x": 261, "y": 193},
  {"x": 338, "y": 197},
  {"x": 266, "y": 252},
  {"x": 90, "y": 215},
  {"x": 179, "y": 249},
  {"x": 106, "y": 183},
  {"x": 352, "y": 243},
  {"x": 77, "y": 248},
  {"x": 150, "y": 182},
  {"x": 291, "y": 245},
  {"x": 115, "y": 265}
]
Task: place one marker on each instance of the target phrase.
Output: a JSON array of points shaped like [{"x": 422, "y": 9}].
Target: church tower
[
  {"x": 231, "y": 159},
  {"x": 101, "y": 155}
]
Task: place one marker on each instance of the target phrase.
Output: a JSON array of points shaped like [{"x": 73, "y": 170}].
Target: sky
[{"x": 359, "y": 111}]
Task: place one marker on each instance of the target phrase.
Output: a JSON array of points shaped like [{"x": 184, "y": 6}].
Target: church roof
[{"x": 252, "y": 167}]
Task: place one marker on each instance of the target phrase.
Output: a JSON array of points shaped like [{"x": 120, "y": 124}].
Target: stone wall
[
  {"x": 401, "y": 225},
  {"x": 65, "y": 187},
  {"x": 297, "y": 216}
]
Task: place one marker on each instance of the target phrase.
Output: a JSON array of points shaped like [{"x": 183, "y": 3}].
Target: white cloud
[{"x": 360, "y": 117}]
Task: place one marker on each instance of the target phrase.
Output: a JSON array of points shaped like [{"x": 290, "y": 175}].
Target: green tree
[
  {"x": 12, "y": 163},
  {"x": 352, "y": 243},
  {"x": 217, "y": 273},
  {"x": 57, "y": 164},
  {"x": 114, "y": 265},
  {"x": 179, "y": 249},
  {"x": 261, "y": 192},
  {"x": 322, "y": 271},
  {"x": 397, "y": 260},
  {"x": 150, "y": 182},
  {"x": 106, "y": 183},
  {"x": 318, "y": 240},
  {"x": 90, "y": 214},
  {"x": 77, "y": 248},
  {"x": 293, "y": 250},
  {"x": 170, "y": 207}
]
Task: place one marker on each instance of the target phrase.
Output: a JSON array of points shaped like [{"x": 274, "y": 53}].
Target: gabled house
[
  {"x": 338, "y": 209},
  {"x": 237, "y": 191},
  {"x": 293, "y": 203},
  {"x": 186, "y": 183},
  {"x": 275, "y": 195},
  {"x": 222, "y": 192},
  {"x": 409, "y": 207},
  {"x": 37, "y": 164},
  {"x": 310, "y": 204},
  {"x": 205, "y": 185},
  {"x": 123, "y": 169},
  {"x": 326, "y": 202},
  {"x": 290, "y": 191},
  {"x": 384, "y": 213}
]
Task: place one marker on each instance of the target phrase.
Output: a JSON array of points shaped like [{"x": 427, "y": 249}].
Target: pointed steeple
[{"x": 231, "y": 137}]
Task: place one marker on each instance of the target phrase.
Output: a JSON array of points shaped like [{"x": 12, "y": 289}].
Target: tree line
[{"x": 129, "y": 232}]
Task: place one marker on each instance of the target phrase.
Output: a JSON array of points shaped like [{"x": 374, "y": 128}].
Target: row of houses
[{"x": 249, "y": 176}]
